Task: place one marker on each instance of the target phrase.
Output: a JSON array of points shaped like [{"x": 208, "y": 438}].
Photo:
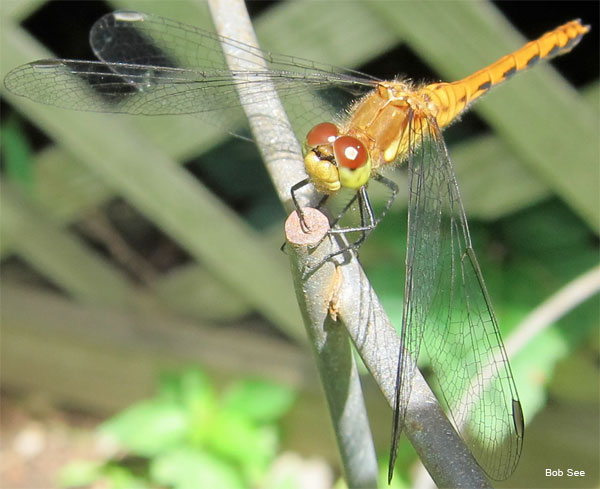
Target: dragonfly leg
[
  {"x": 367, "y": 215},
  {"x": 293, "y": 190},
  {"x": 368, "y": 223},
  {"x": 323, "y": 201},
  {"x": 342, "y": 213},
  {"x": 368, "y": 220},
  {"x": 393, "y": 193}
]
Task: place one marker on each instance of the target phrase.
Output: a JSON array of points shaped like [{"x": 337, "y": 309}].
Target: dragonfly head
[{"x": 333, "y": 160}]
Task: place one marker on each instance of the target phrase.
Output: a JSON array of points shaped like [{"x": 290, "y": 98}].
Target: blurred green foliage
[
  {"x": 189, "y": 437},
  {"x": 17, "y": 154}
]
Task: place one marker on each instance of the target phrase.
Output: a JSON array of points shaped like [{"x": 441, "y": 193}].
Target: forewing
[
  {"x": 447, "y": 304},
  {"x": 156, "y": 66}
]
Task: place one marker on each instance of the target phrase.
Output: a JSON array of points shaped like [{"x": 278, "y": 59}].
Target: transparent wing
[
  {"x": 447, "y": 307},
  {"x": 155, "y": 66}
]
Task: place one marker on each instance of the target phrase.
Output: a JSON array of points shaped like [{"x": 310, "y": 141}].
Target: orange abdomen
[{"x": 452, "y": 98}]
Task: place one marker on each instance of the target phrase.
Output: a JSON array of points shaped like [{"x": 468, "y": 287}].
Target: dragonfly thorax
[
  {"x": 375, "y": 134},
  {"x": 334, "y": 160},
  {"x": 380, "y": 120}
]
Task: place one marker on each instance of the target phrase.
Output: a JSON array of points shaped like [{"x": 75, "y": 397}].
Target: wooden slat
[
  {"x": 104, "y": 360},
  {"x": 64, "y": 191},
  {"x": 192, "y": 291},
  {"x": 167, "y": 196},
  {"x": 61, "y": 257}
]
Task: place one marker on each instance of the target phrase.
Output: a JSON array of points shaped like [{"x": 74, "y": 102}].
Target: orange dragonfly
[
  {"x": 151, "y": 66},
  {"x": 399, "y": 121}
]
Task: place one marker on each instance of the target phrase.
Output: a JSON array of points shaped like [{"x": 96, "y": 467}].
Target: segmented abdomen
[{"x": 452, "y": 98}]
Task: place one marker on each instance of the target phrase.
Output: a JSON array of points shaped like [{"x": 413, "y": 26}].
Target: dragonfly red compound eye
[
  {"x": 323, "y": 133},
  {"x": 350, "y": 152}
]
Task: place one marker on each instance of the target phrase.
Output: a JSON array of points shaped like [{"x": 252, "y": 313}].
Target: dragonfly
[{"x": 150, "y": 65}]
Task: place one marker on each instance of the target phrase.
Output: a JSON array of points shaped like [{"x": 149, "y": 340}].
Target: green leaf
[
  {"x": 149, "y": 428},
  {"x": 576, "y": 378},
  {"x": 236, "y": 438},
  {"x": 545, "y": 227},
  {"x": 190, "y": 387},
  {"x": 119, "y": 477},
  {"x": 533, "y": 367},
  {"x": 259, "y": 400},
  {"x": 190, "y": 469},
  {"x": 80, "y": 473},
  {"x": 191, "y": 390},
  {"x": 16, "y": 151}
]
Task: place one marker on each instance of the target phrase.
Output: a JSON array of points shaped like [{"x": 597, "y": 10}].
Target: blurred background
[{"x": 142, "y": 281}]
